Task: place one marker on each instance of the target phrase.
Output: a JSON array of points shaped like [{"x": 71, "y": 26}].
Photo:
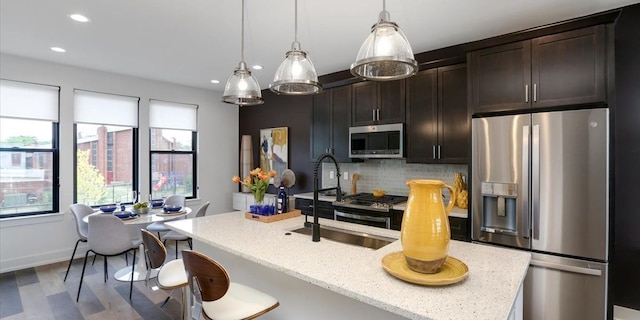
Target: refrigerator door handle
[
  {"x": 564, "y": 267},
  {"x": 525, "y": 183},
  {"x": 535, "y": 181}
]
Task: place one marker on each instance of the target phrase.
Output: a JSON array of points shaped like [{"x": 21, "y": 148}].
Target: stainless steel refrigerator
[{"x": 540, "y": 182}]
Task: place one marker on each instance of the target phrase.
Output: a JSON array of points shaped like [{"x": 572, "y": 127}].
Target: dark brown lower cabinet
[
  {"x": 325, "y": 208},
  {"x": 458, "y": 226}
]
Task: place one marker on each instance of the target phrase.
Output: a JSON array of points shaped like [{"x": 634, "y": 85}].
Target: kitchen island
[{"x": 332, "y": 280}]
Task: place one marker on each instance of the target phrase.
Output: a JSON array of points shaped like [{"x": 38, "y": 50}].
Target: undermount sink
[{"x": 349, "y": 237}]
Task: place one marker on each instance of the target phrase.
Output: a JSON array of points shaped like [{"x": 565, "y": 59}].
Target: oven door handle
[
  {"x": 346, "y": 205},
  {"x": 360, "y": 217}
]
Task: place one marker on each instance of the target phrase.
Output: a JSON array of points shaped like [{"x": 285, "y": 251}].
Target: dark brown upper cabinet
[
  {"x": 378, "y": 102},
  {"x": 437, "y": 119},
  {"x": 556, "y": 70},
  {"x": 331, "y": 121}
]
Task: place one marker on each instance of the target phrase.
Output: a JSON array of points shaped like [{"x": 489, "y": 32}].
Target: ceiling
[{"x": 191, "y": 42}]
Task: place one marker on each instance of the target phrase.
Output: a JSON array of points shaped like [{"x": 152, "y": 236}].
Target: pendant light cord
[
  {"x": 242, "y": 37},
  {"x": 295, "y": 46},
  {"x": 384, "y": 5}
]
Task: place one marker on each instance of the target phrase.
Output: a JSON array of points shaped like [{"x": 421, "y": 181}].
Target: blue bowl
[
  {"x": 108, "y": 208},
  {"x": 172, "y": 208},
  {"x": 157, "y": 203},
  {"x": 123, "y": 215}
]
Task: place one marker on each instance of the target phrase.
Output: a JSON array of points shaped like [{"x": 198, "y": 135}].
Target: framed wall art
[{"x": 274, "y": 146}]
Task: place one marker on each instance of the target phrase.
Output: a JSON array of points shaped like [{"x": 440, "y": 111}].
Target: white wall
[{"x": 32, "y": 241}]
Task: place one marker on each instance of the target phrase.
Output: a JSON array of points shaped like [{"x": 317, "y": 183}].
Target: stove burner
[{"x": 368, "y": 202}]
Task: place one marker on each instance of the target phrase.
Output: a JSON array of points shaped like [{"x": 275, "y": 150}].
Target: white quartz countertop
[
  {"x": 456, "y": 212},
  {"x": 488, "y": 292}
]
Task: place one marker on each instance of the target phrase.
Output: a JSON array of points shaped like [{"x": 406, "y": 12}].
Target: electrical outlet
[
  {"x": 332, "y": 174},
  {"x": 345, "y": 175}
]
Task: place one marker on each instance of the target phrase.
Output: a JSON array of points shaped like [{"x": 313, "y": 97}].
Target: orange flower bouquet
[{"x": 257, "y": 182}]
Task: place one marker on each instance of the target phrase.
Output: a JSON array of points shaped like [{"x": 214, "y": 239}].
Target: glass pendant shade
[
  {"x": 242, "y": 88},
  {"x": 385, "y": 54},
  {"x": 296, "y": 74}
]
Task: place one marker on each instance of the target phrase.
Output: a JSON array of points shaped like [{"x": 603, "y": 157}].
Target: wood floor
[{"x": 40, "y": 293}]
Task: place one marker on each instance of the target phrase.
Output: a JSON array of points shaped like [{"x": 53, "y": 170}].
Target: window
[
  {"x": 106, "y": 146},
  {"x": 28, "y": 148},
  {"x": 172, "y": 149}
]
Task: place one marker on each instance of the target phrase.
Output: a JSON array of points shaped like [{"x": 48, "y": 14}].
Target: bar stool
[
  {"x": 221, "y": 298},
  {"x": 171, "y": 275}
]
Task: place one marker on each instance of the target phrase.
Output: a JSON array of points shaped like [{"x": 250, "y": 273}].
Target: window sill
[{"x": 29, "y": 220}]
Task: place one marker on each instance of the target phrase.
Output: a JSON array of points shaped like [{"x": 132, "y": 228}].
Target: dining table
[{"x": 135, "y": 223}]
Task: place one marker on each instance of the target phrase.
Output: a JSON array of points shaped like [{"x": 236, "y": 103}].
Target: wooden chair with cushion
[
  {"x": 108, "y": 236},
  {"x": 175, "y": 199},
  {"x": 221, "y": 298},
  {"x": 177, "y": 236},
  {"x": 171, "y": 274}
]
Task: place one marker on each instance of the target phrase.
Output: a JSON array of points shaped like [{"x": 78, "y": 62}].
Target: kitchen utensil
[
  {"x": 354, "y": 179},
  {"x": 288, "y": 178}
]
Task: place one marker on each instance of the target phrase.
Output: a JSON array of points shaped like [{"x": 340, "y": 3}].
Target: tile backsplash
[{"x": 388, "y": 174}]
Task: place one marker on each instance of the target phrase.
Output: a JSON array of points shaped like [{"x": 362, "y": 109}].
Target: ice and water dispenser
[{"x": 499, "y": 207}]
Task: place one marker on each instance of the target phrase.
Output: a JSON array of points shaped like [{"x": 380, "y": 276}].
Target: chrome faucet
[{"x": 315, "y": 226}]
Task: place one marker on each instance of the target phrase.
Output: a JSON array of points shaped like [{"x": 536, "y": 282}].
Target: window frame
[
  {"x": 55, "y": 179},
  {"x": 194, "y": 161},
  {"x": 134, "y": 159}
]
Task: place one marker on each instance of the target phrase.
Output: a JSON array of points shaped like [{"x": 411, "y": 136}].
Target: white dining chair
[
  {"x": 108, "y": 236},
  {"x": 177, "y": 236},
  {"x": 158, "y": 227},
  {"x": 79, "y": 211}
]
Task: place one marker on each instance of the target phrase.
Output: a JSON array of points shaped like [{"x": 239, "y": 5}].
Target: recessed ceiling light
[
  {"x": 257, "y": 67},
  {"x": 78, "y": 17},
  {"x": 58, "y": 49},
  {"x": 215, "y": 81}
]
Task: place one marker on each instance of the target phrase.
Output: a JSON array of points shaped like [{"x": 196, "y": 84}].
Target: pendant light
[
  {"x": 296, "y": 75},
  {"x": 386, "y": 53},
  {"x": 242, "y": 88}
]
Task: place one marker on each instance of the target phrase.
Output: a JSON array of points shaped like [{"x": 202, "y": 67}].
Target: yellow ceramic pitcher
[{"x": 425, "y": 229}]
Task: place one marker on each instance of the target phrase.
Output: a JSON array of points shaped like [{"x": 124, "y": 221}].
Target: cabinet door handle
[
  {"x": 439, "y": 151},
  {"x": 535, "y": 92},
  {"x": 433, "y": 152},
  {"x": 373, "y": 114},
  {"x": 378, "y": 114},
  {"x": 526, "y": 93}
]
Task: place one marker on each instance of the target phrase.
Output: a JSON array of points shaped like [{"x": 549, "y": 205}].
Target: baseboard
[{"x": 37, "y": 260}]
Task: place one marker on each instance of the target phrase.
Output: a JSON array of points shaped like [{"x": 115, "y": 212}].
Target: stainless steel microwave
[{"x": 378, "y": 141}]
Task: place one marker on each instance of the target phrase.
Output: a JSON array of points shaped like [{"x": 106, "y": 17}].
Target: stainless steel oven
[
  {"x": 365, "y": 209},
  {"x": 365, "y": 218}
]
